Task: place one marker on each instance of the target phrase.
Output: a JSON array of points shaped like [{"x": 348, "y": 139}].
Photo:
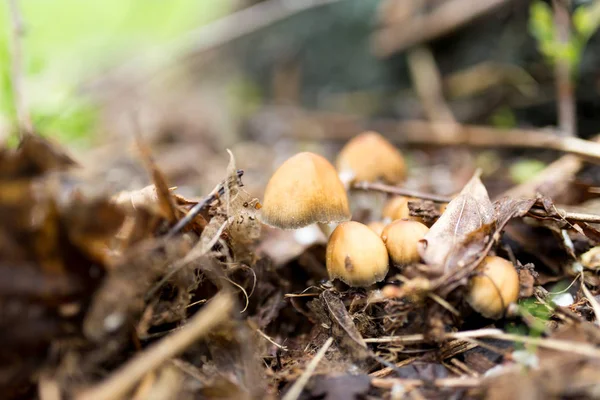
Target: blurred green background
[{"x": 68, "y": 41}]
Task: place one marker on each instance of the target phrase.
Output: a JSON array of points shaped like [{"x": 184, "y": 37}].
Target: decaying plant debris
[
  {"x": 149, "y": 294},
  {"x": 103, "y": 299}
]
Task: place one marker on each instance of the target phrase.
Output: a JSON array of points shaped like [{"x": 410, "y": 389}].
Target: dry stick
[
  {"x": 16, "y": 47},
  {"x": 553, "y": 180},
  {"x": 445, "y": 18},
  {"x": 298, "y": 386},
  {"x": 554, "y": 344},
  {"x": 334, "y": 126},
  {"x": 197, "y": 209},
  {"x": 380, "y": 187},
  {"x": 463, "y": 383},
  {"x": 568, "y": 215},
  {"x": 456, "y": 134},
  {"x": 427, "y": 82},
  {"x": 565, "y": 101},
  {"x": 216, "y": 312}
]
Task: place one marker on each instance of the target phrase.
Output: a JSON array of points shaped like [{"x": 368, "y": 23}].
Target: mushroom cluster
[{"x": 307, "y": 189}]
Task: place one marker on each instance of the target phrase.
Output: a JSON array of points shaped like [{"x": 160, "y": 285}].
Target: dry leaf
[{"x": 470, "y": 213}]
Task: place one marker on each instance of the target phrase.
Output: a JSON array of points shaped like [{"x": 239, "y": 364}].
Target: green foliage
[
  {"x": 69, "y": 41},
  {"x": 523, "y": 170},
  {"x": 503, "y": 118},
  {"x": 585, "y": 21}
]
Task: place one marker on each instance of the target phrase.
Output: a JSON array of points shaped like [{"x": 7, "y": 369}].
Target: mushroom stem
[{"x": 327, "y": 228}]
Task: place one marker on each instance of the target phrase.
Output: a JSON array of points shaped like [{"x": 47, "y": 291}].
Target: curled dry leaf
[{"x": 470, "y": 213}]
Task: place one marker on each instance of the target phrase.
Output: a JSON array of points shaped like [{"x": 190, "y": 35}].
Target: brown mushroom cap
[
  {"x": 396, "y": 208},
  {"x": 356, "y": 255},
  {"x": 494, "y": 287},
  {"x": 370, "y": 157},
  {"x": 401, "y": 239},
  {"x": 304, "y": 190}
]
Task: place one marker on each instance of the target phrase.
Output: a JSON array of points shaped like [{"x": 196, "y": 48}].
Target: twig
[
  {"x": 194, "y": 211},
  {"x": 427, "y": 82},
  {"x": 567, "y": 215},
  {"x": 473, "y": 135},
  {"x": 554, "y": 344},
  {"x": 380, "y": 187},
  {"x": 268, "y": 339},
  {"x": 389, "y": 383},
  {"x": 552, "y": 181},
  {"x": 450, "y": 15},
  {"x": 17, "y": 32},
  {"x": 565, "y": 101},
  {"x": 381, "y": 373},
  {"x": 298, "y": 386},
  {"x": 335, "y": 126},
  {"x": 125, "y": 378}
]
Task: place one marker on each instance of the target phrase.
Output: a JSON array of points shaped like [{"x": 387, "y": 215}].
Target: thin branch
[
  {"x": 427, "y": 82},
  {"x": 567, "y": 215},
  {"x": 298, "y": 386},
  {"x": 582, "y": 349},
  {"x": 197, "y": 209},
  {"x": 270, "y": 340},
  {"x": 450, "y": 15},
  {"x": 483, "y": 136},
  {"x": 380, "y": 187},
  {"x": 565, "y": 101},
  {"x": 17, "y": 79},
  {"x": 464, "y": 383},
  {"x": 342, "y": 127},
  {"x": 117, "y": 385}
]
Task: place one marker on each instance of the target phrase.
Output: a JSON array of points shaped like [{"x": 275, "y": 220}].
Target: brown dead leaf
[
  {"x": 34, "y": 156},
  {"x": 475, "y": 246},
  {"x": 470, "y": 214},
  {"x": 164, "y": 197}
]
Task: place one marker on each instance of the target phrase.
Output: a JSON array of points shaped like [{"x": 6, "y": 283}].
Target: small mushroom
[
  {"x": 304, "y": 190},
  {"x": 401, "y": 238},
  {"x": 495, "y": 286},
  {"x": 370, "y": 157},
  {"x": 356, "y": 255},
  {"x": 396, "y": 208}
]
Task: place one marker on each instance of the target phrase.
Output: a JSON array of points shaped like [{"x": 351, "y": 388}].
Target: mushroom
[
  {"x": 396, "y": 208},
  {"x": 370, "y": 157},
  {"x": 401, "y": 239},
  {"x": 356, "y": 255},
  {"x": 495, "y": 286},
  {"x": 304, "y": 190}
]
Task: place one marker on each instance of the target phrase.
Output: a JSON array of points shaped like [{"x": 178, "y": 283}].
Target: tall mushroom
[
  {"x": 369, "y": 157},
  {"x": 305, "y": 190}
]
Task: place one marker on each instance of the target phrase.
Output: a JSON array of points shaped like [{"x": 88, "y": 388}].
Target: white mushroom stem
[{"x": 327, "y": 228}]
